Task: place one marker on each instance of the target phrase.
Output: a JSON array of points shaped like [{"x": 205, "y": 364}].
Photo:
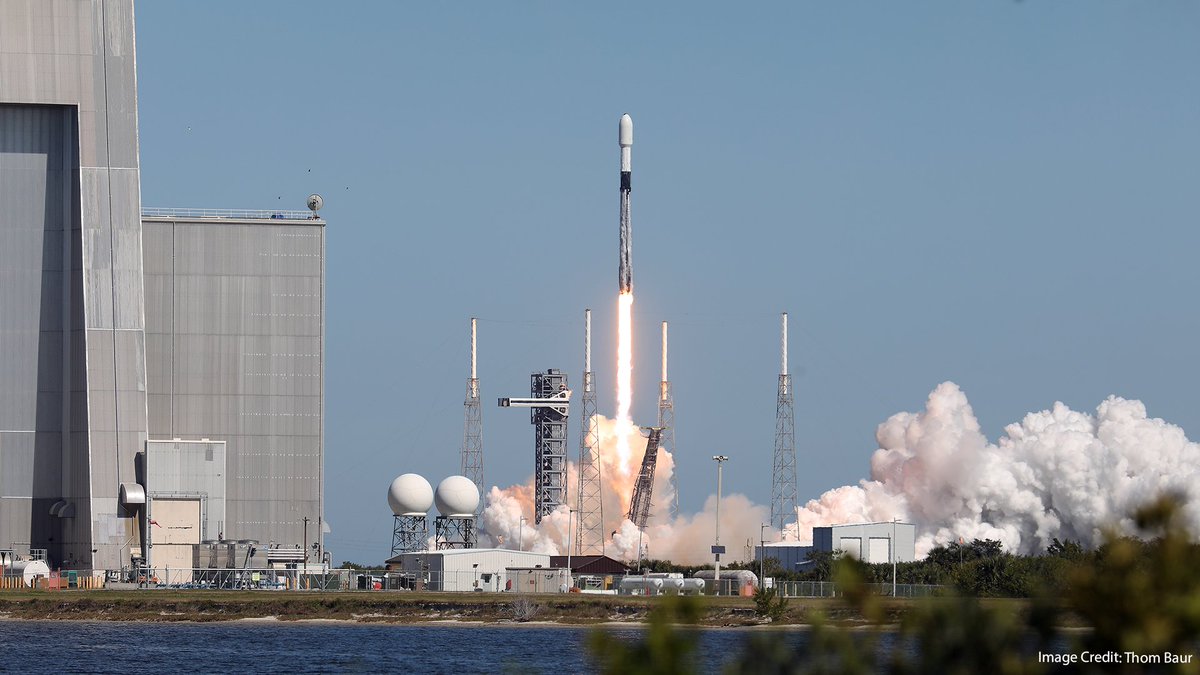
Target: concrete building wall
[
  {"x": 80, "y": 55},
  {"x": 235, "y": 325}
]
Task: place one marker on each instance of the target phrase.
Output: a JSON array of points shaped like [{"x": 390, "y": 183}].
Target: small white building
[
  {"x": 869, "y": 542},
  {"x": 464, "y": 569}
]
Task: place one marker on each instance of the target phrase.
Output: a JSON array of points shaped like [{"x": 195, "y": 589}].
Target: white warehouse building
[
  {"x": 869, "y": 542},
  {"x": 466, "y": 569}
]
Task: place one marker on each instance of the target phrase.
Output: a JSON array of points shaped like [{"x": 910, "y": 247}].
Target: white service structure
[{"x": 466, "y": 569}]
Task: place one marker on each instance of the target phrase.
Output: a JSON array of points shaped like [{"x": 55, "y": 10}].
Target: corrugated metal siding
[
  {"x": 80, "y": 53},
  {"x": 239, "y": 358}
]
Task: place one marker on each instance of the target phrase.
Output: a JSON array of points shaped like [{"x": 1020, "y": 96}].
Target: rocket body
[{"x": 625, "y": 270}]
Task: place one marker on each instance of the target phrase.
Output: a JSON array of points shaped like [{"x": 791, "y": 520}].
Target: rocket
[{"x": 625, "y": 139}]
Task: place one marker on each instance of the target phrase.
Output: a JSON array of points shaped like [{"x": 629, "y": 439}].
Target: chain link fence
[{"x": 828, "y": 589}]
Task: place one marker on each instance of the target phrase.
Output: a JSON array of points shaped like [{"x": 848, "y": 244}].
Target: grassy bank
[{"x": 410, "y": 608}]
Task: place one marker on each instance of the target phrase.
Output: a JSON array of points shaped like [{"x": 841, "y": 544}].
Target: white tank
[
  {"x": 410, "y": 495},
  {"x": 28, "y": 570},
  {"x": 456, "y": 497},
  {"x": 643, "y": 585}
]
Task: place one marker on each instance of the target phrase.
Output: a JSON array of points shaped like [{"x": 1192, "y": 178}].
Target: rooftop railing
[{"x": 240, "y": 214}]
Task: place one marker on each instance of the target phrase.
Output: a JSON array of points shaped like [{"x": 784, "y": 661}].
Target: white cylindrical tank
[
  {"x": 642, "y": 585},
  {"x": 410, "y": 495},
  {"x": 28, "y": 570},
  {"x": 456, "y": 497}
]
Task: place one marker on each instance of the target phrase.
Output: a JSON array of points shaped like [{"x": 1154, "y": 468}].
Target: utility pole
[
  {"x": 894, "y": 557},
  {"x": 570, "y": 579},
  {"x": 762, "y": 554},
  {"x": 717, "y": 549}
]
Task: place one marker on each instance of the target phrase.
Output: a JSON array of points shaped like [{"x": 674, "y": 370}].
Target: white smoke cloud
[
  {"x": 1058, "y": 473},
  {"x": 686, "y": 539}
]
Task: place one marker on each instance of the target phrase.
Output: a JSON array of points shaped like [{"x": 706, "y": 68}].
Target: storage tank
[
  {"x": 28, "y": 570},
  {"x": 740, "y": 582},
  {"x": 646, "y": 585}
]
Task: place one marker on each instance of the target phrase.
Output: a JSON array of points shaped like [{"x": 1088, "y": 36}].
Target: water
[{"x": 121, "y": 647}]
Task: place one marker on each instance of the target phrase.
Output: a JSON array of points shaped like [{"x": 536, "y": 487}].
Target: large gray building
[{"x": 202, "y": 327}]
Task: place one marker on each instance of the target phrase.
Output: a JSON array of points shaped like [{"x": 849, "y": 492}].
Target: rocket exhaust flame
[{"x": 624, "y": 423}]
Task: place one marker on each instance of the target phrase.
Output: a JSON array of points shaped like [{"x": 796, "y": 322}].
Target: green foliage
[
  {"x": 1135, "y": 595},
  {"x": 769, "y": 604},
  {"x": 668, "y": 647},
  {"x": 1142, "y": 596}
]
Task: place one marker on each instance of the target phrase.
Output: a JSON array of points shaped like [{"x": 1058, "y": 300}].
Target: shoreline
[{"x": 369, "y": 608}]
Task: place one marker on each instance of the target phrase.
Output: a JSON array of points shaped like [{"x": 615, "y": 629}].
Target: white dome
[
  {"x": 410, "y": 495},
  {"x": 456, "y": 496}
]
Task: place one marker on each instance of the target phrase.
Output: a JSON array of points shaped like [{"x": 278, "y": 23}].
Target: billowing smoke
[
  {"x": 685, "y": 539},
  {"x": 1058, "y": 473}
]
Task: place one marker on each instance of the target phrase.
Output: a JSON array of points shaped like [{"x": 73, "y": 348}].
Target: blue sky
[{"x": 1002, "y": 194}]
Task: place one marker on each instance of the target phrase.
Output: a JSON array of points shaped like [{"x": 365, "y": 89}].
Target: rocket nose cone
[{"x": 625, "y": 134}]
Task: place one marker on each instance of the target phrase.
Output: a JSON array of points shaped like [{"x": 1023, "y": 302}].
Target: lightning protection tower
[
  {"x": 550, "y": 401},
  {"x": 666, "y": 421},
  {"x": 783, "y": 480},
  {"x": 472, "y": 445},
  {"x": 589, "y": 539}
]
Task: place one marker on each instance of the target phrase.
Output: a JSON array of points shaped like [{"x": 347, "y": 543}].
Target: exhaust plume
[{"x": 1056, "y": 474}]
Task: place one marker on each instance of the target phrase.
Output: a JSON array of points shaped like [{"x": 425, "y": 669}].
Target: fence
[
  {"x": 828, "y": 589},
  {"x": 67, "y": 579},
  {"x": 240, "y": 214}
]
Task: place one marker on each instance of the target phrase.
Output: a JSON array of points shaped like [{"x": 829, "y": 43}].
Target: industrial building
[
  {"x": 161, "y": 377},
  {"x": 869, "y": 542}
]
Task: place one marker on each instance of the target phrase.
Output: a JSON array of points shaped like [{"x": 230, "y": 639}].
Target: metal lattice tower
[
  {"x": 452, "y": 532},
  {"x": 783, "y": 477},
  {"x": 666, "y": 421},
  {"x": 643, "y": 489},
  {"x": 550, "y": 451},
  {"x": 409, "y": 534},
  {"x": 589, "y": 538},
  {"x": 550, "y": 403},
  {"x": 472, "y": 446}
]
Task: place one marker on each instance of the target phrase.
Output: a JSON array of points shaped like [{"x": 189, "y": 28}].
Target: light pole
[
  {"x": 570, "y": 578},
  {"x": 762, "y": 554},
  {"x": 894, "y": 557},
  {"x": 717, "y": 549},
  {"x": 521, "y": 539}
]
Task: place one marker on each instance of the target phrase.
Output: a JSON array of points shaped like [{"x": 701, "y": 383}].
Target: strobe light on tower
[
  {"x": 409, "y": 497},
  {"x": 456, "y": 498}
]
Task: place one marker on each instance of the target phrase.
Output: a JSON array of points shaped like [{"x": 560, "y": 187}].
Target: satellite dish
[{"x": 315, "y": 202}]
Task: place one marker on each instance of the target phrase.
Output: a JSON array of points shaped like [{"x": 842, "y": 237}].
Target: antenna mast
[
  {"x": 472, "y": 446},
  {"x": 783, "y": 480},
  {"x": 589, "y": 538}
]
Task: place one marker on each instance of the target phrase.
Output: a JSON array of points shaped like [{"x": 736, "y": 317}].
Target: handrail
[{"x": 242, "y": 214}]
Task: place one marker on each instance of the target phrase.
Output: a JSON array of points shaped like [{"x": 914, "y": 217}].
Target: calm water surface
[{"x": 247, "y": 647}]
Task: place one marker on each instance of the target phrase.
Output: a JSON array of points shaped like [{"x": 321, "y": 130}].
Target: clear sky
[{"x": 1002, "y": 194}]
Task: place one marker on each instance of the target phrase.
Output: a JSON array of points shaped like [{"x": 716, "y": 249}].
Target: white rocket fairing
[{"x": 625, "y": 139}]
